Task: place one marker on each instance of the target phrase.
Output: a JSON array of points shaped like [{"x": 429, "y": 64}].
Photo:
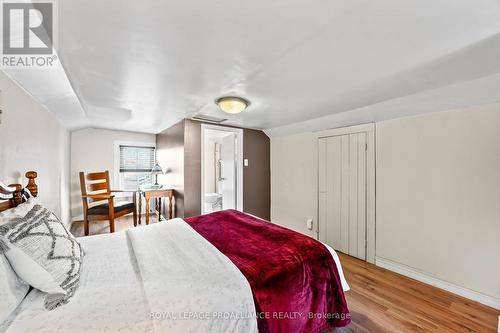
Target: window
[{"x": 135, "y": 166}]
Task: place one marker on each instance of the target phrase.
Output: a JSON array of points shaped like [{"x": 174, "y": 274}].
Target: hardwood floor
[{"x": 381, "y": 301}]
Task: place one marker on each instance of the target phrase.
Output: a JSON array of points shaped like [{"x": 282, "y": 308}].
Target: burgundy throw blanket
[{"x": 294, "y": 279}]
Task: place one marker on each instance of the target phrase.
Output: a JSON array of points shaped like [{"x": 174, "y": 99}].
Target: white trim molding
[
  {"x": 436, "y": 282},
  {"x": 116, "y": 163},
  {"x": 116, "y": 156},
  {"x": 239, "y": 162}
]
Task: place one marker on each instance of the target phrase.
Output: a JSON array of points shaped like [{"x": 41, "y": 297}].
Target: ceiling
[{"x": 144, "y": 65}]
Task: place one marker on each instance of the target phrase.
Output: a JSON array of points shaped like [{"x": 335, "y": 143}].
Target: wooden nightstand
[{"x": 156, "y": 194}]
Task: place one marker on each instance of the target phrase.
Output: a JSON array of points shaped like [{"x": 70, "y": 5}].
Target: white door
[
  {"x": 342, "y": 192},
  {"x": 227, "y": 182}
]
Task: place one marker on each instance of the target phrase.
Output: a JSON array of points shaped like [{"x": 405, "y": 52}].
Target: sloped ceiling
[{"x": 143, "y": 65}]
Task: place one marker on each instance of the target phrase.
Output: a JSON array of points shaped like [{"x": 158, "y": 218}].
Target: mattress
[
  {"x": 110, "y": 296},
  {"x": 140, "y": 281},
  {"x": 133, "y": 281}
]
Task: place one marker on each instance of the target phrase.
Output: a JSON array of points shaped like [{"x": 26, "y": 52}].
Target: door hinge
[{"x": 366, "y": 146}]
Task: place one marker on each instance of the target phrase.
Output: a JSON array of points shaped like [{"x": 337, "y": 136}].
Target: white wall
[
  {"x": 293, "y": 181},
  {"x": 93, "y": 150},
  {"x": 438, "y": 193},
  {"x": 209, "y": 165},
  {"x": 32, "y": 139}
]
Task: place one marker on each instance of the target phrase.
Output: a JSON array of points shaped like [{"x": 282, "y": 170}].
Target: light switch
[
  {"x": 310, "y": 224},
  {"x": 245, "y": 162}
]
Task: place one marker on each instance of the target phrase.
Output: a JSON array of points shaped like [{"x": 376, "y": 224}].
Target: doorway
[
  {"x": 221, "y": 168},
  {"x": 346, "y": 190}
]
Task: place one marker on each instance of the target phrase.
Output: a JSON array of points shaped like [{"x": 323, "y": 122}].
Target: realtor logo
[{"x": 28, "y": 34}]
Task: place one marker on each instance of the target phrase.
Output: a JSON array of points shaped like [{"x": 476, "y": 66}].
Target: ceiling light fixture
[{"x": 232, "y": 104}]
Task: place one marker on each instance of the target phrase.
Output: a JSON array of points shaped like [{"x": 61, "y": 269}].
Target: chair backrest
[{"x": 94, "y": 183}]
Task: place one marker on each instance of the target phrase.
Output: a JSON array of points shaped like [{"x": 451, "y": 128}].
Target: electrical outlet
[{"x": 310, "y": 224}]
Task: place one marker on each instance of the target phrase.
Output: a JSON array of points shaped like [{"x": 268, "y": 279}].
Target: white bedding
[
  {"x": 137, "y": 281},
  {"x": 184, "y": 275},
  {"x": 109, "y": 298},
  {"x": 343, "y": 281},
  {"x": 118, "y": 295}
]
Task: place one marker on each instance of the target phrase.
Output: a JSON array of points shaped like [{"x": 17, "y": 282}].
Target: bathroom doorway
[{"x": 221, "y": 168}]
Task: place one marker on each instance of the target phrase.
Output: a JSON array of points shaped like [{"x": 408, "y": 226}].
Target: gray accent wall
[
  {"x": 257, "y": 175},
  {"x": 170, "y": 156},
  {"x": 179, "y": 149}
]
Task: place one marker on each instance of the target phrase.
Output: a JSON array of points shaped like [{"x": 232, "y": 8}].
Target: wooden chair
[{"x": 95, "y": 190}]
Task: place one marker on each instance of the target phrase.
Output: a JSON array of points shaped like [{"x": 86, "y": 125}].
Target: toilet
[{"x": 213, "y": 202}]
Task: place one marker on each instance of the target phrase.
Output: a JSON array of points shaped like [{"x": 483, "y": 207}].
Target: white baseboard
[{"x": 433, "y": 281}]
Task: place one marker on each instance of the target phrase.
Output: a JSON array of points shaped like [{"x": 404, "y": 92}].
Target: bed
[{"x": 222, "y": 272}]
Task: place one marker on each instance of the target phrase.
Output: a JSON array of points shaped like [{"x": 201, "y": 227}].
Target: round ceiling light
[{"x": 232, "y": 104}]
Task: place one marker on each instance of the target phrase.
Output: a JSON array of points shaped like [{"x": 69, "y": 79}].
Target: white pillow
[
  {"x": 31, "y": 272},
  {"x": 44, "y": 254},
  {"x": 19, "y": 211},
  {"x": 12, "y": 289}
]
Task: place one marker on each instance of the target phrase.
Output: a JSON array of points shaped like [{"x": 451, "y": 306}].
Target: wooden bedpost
[
  {"x": 13, "y": 194},
  {"x": 32, "y": 186},
  {"x": 17, "y": 195}
]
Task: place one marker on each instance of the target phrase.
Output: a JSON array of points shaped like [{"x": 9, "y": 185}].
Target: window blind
[{"x": 136, "y": 159}]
